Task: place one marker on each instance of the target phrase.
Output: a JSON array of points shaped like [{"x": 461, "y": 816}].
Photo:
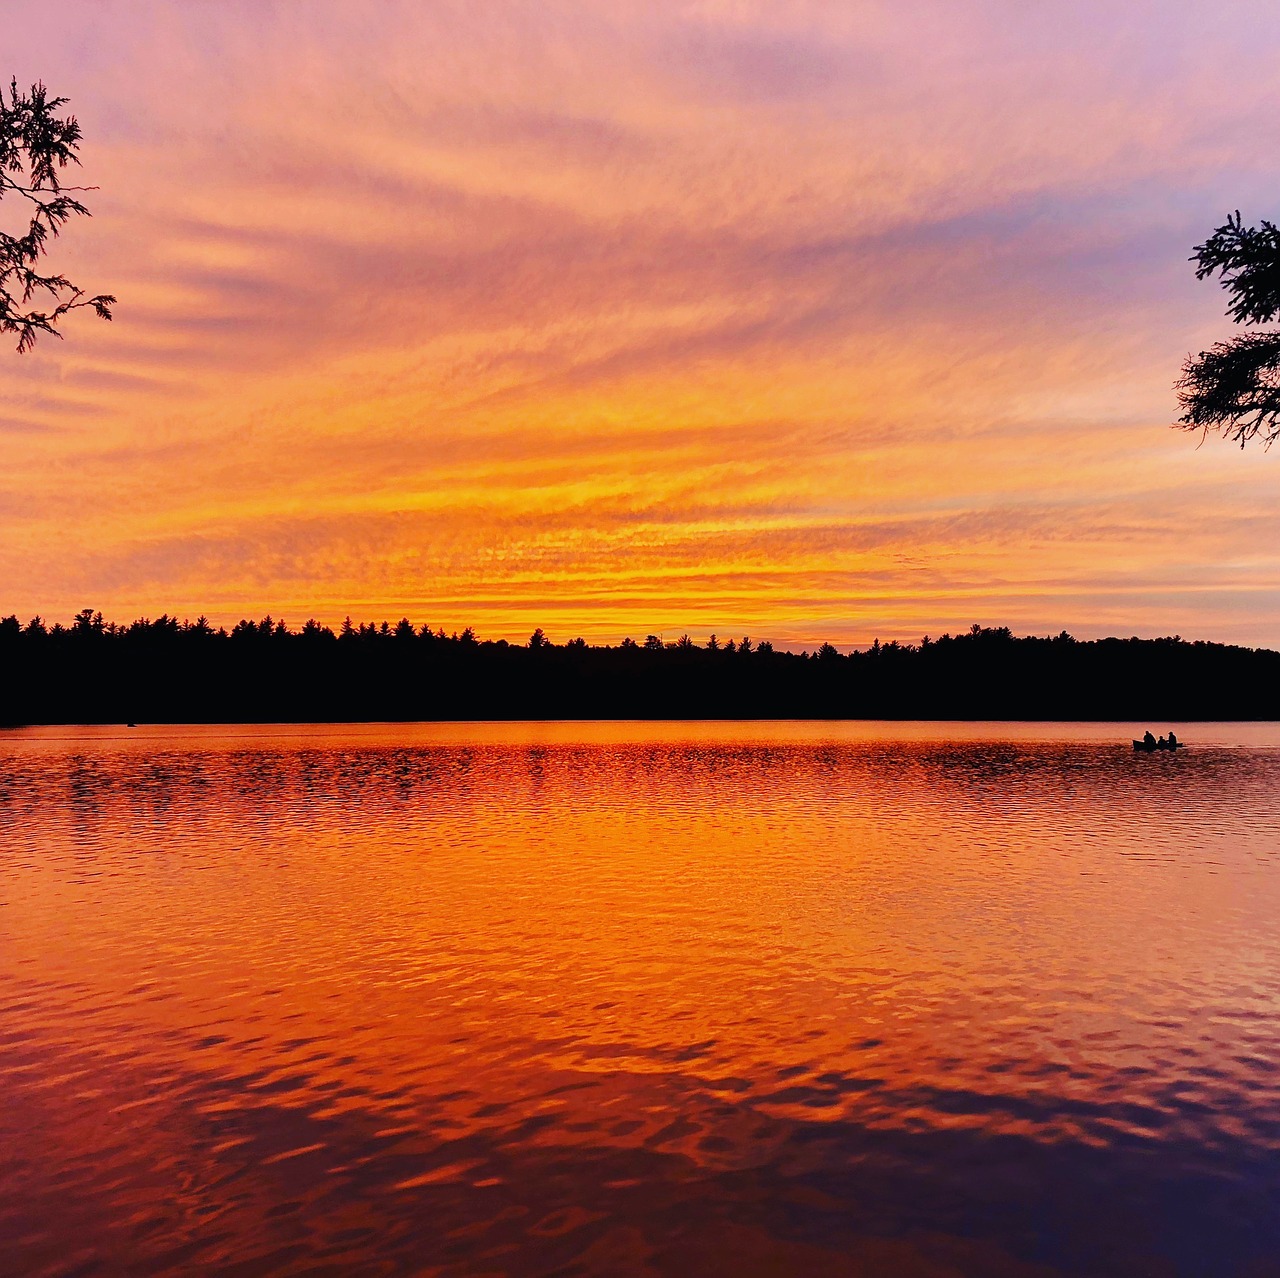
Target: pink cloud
[{"x": 840, "y": 320}]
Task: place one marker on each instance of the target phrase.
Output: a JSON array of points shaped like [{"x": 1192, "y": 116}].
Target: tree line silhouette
[{"x": 170, "y": 671}]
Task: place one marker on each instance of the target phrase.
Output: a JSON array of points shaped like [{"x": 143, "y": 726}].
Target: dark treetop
[{"x": 166, "y": 671}]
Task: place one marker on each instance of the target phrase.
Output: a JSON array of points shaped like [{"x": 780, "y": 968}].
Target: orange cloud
[{"x": 722, "y": 316}]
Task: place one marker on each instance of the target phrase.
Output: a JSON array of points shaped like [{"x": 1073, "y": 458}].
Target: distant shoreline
[
  {"x": 167, "y": 672},
  {"x": 177, "y": 725}
]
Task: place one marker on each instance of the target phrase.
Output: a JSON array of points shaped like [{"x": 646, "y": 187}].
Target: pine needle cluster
[
  {"x": 36, "y": 146},
  {"x": 1234, "y": 386}
]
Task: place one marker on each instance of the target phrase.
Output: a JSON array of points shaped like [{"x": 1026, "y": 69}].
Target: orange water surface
[{"x": 781, "y": 998}]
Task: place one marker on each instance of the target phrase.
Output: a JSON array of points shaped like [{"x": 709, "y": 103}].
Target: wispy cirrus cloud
[{"x": 829, "y": 321}]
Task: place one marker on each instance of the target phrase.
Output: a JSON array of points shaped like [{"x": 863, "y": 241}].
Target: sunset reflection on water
[{"x": 770, "y": 998}]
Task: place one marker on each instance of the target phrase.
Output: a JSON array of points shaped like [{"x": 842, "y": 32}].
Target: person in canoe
[
  {"x": 1174, "y": 743},
  {"x": 1148, "y": 740}
]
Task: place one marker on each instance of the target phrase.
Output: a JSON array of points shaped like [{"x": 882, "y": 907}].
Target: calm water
[{"x": 640, "y": 998}]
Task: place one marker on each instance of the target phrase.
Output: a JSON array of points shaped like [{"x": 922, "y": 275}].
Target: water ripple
[{"x": 638, "y": 998}]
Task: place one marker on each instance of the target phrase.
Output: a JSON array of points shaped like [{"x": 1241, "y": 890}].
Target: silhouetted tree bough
[
  {"x": 35, "y": 146},
  {"x": 1235, "y": 386}
]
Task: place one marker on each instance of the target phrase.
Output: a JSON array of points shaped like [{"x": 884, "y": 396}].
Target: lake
[{"x": 640, "y": 998}]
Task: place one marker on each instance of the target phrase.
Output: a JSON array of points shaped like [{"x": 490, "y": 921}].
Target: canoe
[{"x": 1157, "y": 745}]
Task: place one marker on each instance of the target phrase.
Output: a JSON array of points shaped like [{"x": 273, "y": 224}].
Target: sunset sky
[{"x": 801, "y": 320}]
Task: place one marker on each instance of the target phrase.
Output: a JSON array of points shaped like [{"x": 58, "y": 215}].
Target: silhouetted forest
[{"x": 170, "y": 671}]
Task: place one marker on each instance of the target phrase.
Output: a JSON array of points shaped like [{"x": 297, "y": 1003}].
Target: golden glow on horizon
[{"x": 745, "y": 318}]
